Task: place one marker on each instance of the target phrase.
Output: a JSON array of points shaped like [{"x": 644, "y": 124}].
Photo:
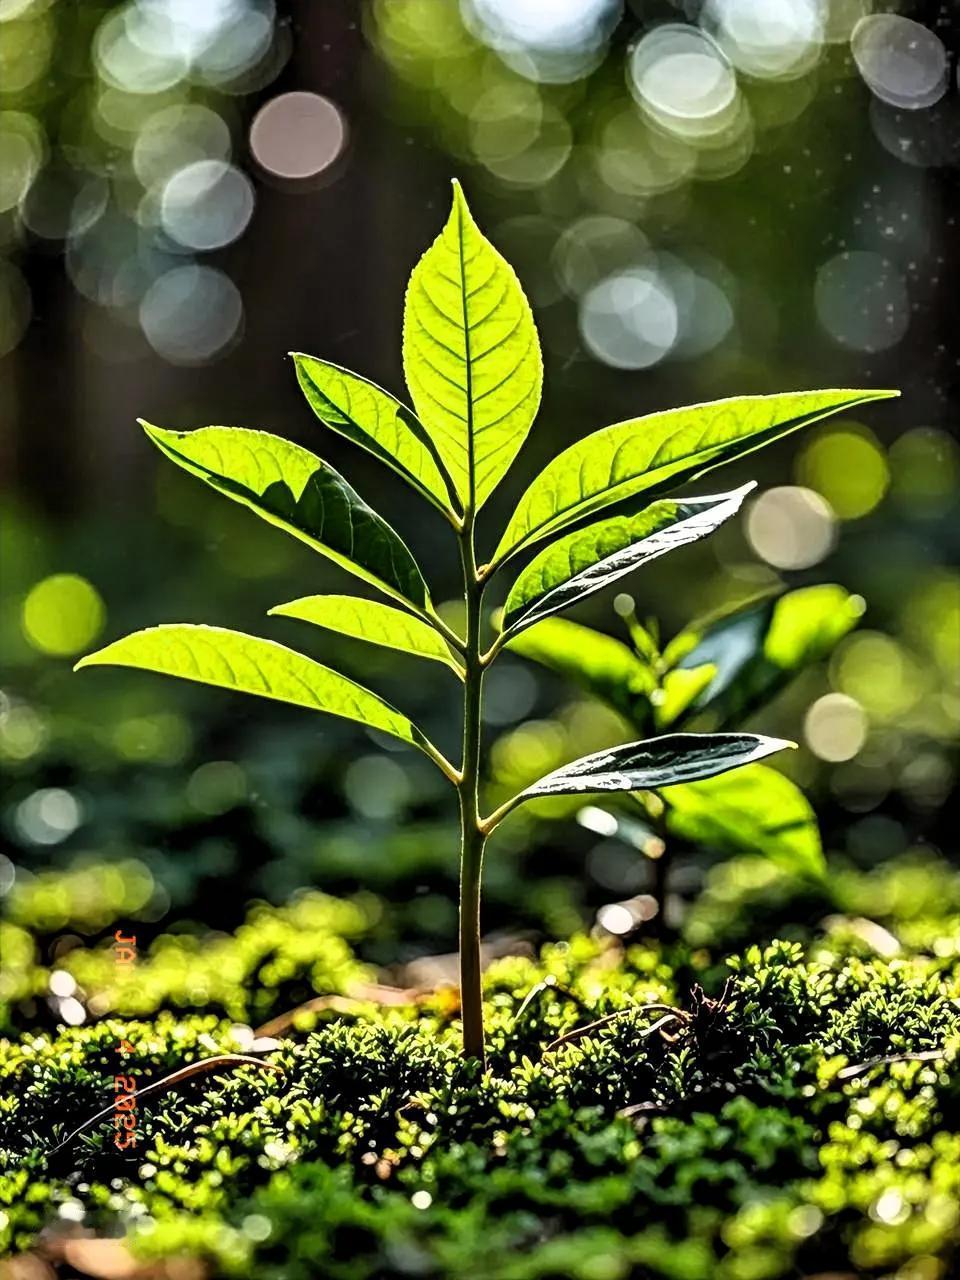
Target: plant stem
[{"x": 472, "y": 836}]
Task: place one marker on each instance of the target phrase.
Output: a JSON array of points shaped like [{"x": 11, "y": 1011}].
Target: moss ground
[{"x": 791, "y": 1109}]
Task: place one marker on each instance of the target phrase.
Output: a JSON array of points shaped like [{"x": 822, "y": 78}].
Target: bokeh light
[
  {"x": 835, "y": 727},
  {"x": 298, "y": 135},
  {"x": 791, "y": 527},
  {"x": 879, "y": 673},
  {"x": 21, "y": 154},
  {"x": 555, "y": 41},
  {"x": 861, "y": 300},
  {"x": 901, "y": 61},
  {"x": 191, "y": 313},
  {"x": 630, "y": 320},
  {"x": 216, "y": 786},
  {"x": 778, "y": 38},
  {"x": 594, "y": 247},
  {"x": 206, "y": 204},
  {"x": 684, "y": 81},
  {"x": 176, "y": 137},
  {"x": 62, "y": 615},
  {"x": 925, "y": 469},
  {"x": 133, "y": 166},
  {"x": 848, "y": 466},
  {"x": 48, "y": 816}
]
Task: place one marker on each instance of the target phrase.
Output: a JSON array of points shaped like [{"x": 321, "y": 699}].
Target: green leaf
[
  {"x": 581, "y": 563},
  {"x": 658, "y": 452},
  {"x": 248, "y": 664},
  {"x": 291, "y": 488},
  {"x": 678, "y": 691},
  {"x": 605, "y": 667},
  {"x": 372, "y": 621},
  {"x": 471, "y": 355},
  {"x": 753, "y": 810},
  {"x": 759, "y": 647},
  {"x": 657, "y": 762},
  {"x": 378, "y": 422}
]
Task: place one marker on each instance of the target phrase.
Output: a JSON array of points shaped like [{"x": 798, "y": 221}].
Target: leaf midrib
[{"x": 468, "y": 371}]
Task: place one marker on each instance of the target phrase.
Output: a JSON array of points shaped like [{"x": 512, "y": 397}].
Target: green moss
[
  {"x": 730, "y": 1141},
  {"x": 277, "y": 959}
]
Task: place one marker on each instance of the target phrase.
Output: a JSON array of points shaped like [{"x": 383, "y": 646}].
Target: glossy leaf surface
[
  {"x": 656, "y": 762},
  {"x": 375, "y": 420},
  {"x": 471, "y": 355},
  {"x": 293, "y": 489},
  {"x": 657, "y": 452},
  {"x": 581, "y": 563},
  {"x": 372, "y": 621}
]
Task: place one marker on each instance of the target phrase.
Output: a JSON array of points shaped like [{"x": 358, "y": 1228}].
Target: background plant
[
  {"x": 715, "y": 674},
  {"x": 473, "y": 367}
]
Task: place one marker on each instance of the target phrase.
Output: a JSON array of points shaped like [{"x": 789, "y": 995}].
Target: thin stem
[{"x": 472, "y": 834}]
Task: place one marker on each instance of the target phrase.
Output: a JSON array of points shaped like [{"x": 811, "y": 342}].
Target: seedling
[{"x": 472, "y": 362}]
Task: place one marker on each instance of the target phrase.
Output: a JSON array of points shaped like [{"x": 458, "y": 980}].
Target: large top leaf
[
  {"x": 293, "y": 489},
  {"x": 657, "y": 452},
  {"x": 248, "y": 664},
  {"x": 656, "y": 762},
  {"x": 373, "y": 621},
  {"x": 581, "y": 563},
  {"x": 377, "y": 421},
  {"x": 471, "y": 355}
]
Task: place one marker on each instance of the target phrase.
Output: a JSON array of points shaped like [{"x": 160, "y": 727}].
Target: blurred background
[{"x": 701, "y": 198}]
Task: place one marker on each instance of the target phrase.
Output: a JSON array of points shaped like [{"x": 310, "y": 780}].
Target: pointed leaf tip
[
  {"x": 579, "y": 564},
  {"x": 471, "y": 355},
  {"x": 656, "y": 762},
  {"x": 249, "y": 664},
  {"x": 658, "y": 451},
  {"x": 294, "y": 490}
]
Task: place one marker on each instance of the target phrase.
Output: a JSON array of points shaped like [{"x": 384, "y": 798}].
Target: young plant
[
  {"x": 712, "y": 676},
  {"x": 472, "y": 362}
]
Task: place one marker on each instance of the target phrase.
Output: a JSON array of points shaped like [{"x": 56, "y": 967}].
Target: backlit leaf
[
  {"x": 471, "y": 355},
  {"x": 657, "y": 452},
  {"x": 759, "y": 647},
  {"x": 605, "y": 667},
  {"x": 679, "y": 690},
  {"x": 377, "y": 421},
  {"x": 752, "y": 810},
  {"x": 581, "y": 563},
  {"x": 657, "y": 762},
  {"x": 293, "y": 489},
  {"x": 372, "y": 621},
  {"x": 249, "y": 664}
]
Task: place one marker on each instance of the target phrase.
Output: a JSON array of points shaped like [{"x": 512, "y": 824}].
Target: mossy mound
[{"x": 792, "y": 1110}]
